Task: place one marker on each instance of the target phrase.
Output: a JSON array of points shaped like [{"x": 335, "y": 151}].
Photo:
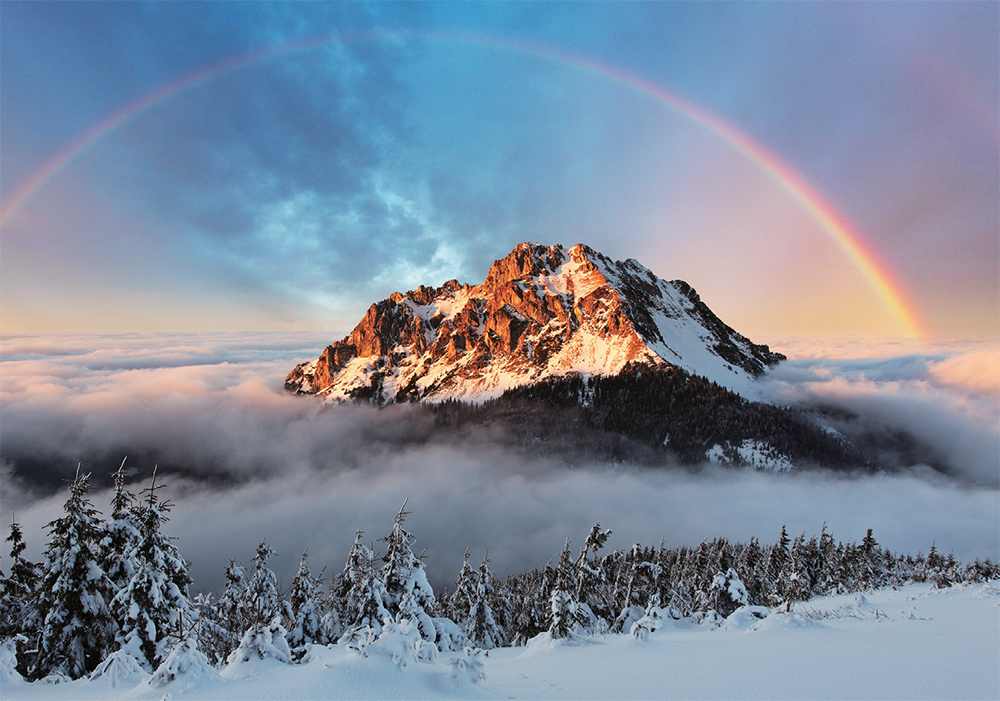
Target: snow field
[{"x": 914, "y": 643}]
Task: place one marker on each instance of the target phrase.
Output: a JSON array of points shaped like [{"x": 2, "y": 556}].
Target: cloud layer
[{"x": 303, "y": 477}]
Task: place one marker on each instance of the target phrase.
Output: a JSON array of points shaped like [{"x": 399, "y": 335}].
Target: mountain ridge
[{"x": 541, "y": 312}]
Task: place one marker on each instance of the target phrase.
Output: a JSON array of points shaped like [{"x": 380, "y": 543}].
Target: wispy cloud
[{"x": 305, "y": 477}]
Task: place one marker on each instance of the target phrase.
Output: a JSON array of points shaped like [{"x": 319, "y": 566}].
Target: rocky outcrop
[{"x": 543, "y": 311}]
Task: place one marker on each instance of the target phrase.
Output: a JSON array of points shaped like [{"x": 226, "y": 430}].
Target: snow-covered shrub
[
  {"x": 118, "y": 668},
  {"x": 8, "y": 662},
  {"x": 744, "y": 617},
  {"x": 359, "y": 638},
  {"x": 262, "y": 642},
  {"x": 55, "y": 678},
  {"x": 987, "y": 592},
  {"x": 401, "y": 643},
  {"x": 651, "y": 621},
  {"x": 398, "y": 641},
  {"x": 628, "y": 616},
  {"x": 185, "y": 659},
  {"x": 712, "y": 619},
  {"x": 450, "y": 637},
  {"x": 469, "y": 667}
]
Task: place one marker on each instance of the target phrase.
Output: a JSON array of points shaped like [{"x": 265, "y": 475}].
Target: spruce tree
[
  {"x": 365, "y": 595},
  {"x": 121, "y": 536},
  {"x": 461, "y": 600},
  {"x": 589, "y": 574},
  {"x": 482, "y": 628},
  {"x": 562, "y": 605},
  {"x": 233, "y": 617},
  {"x": 75, "y": 629},
  {"x": 18, "y": 589},
  {"x": 871, "y": 572},
  {"x": 260, "y": 598},
  {"x": 776, "y": 572},
  {"x": 408, "y": 593},
  {"x": 153, "y": 610},
  {"x": 305, "y": 610}
]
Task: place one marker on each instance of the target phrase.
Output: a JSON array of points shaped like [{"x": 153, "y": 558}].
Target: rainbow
[{"x": 847, "y": 237}]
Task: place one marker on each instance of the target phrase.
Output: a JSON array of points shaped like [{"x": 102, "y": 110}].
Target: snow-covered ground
[{"x": 912, "y": 643}]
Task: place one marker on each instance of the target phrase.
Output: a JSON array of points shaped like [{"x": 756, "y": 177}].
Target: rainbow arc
[{"x": 847, "y": 237}]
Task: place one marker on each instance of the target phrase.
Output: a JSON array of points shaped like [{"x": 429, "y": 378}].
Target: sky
[{"x": 810, "y": 168}]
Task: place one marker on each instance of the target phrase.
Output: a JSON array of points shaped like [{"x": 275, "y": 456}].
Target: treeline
[
  {"x": 116, "y": 594},
  {"x": 646, "y": 413}
]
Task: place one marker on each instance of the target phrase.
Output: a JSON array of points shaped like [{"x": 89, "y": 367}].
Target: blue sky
[{"x": 424, "y": 140}]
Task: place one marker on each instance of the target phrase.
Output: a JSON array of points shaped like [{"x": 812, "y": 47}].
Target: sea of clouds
[{"x": 256, "y": 462}]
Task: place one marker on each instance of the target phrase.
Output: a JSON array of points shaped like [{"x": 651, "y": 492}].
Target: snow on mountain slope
[
  {"x": 542, "y": 311},
  {"x": 915, "y": 642}
]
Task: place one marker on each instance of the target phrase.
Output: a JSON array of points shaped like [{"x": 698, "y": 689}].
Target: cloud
[
  {"x": 977, "y": 372},
  {"x": 945, "y": 397},
  {"x": 250, "y": 461},
  {"x": 523, "y": 511}
]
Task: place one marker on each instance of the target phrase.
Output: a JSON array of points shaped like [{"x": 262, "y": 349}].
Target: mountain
[{"x": 543, "y": 312}]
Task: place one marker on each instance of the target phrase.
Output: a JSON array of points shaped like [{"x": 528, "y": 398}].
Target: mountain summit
[{"x": 542, "y": 312}]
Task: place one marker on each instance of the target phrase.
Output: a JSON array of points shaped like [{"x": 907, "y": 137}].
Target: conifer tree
[
  {"x": 153, "y": 610},
  {"x": 871, "y": 574},
  {"x": 776, "y": 570},
  {"x": 305, "y": 610},
  {"x": 461, "y": 600},
  {"x": 364, "y": 599},
  {"x": 18, "y": 589},
  {"x": 562, "y": 605},
  {"x": 728, "y": 593},
  {"x": 121, "y": 536},
  {"x": 408, "y": 593},
  {"x": 589, "y": 575},
  {"x": 482, "y": 628},
  {"x": 562, "y": 614},
  {"x": 75, "y": 629},
  {"x": 260, "y": 599},
  {"x": 233, "y": 617}
]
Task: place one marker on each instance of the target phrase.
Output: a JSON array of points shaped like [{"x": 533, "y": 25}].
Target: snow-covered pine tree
[
  {"x": 775, "y": 570},
  {"x": 871, "y": 563},
  {"x": 75, "y": 628},
  {"x": 232, "y": 615},
  {"x": 562, "y": 605},
  {"x": 265, "y": 635},
  {"x": 260, "y": 598},
  {"x": 212, "y": 638},
  {"x": 18, "y": 589},
  {"x": 17, "y": 599},
  {"x": 306, "y": 611},
  {"x": 408, "y": 593},
  {"x": 482, "y": 628},
  {"x": 461, "y": 600},
  {"x": 747, "y": 564},
  {"x": 153, "y": 611},
  {"x": 364, "y": 600},
  {"x": 120, "y": 536},
  {"x": 589, "y": 575},
  {"x": 728, "y": 593},
  {"x": 562, "y": 616}
]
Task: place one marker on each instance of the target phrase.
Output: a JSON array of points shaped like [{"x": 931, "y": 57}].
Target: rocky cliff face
[{"x": 543, "y": 311}]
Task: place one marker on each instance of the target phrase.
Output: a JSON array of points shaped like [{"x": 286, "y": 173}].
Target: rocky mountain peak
[{"x": 542, "y": 311}]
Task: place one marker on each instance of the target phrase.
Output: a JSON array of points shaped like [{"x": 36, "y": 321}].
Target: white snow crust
[{"x": 916, "y": 642}]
